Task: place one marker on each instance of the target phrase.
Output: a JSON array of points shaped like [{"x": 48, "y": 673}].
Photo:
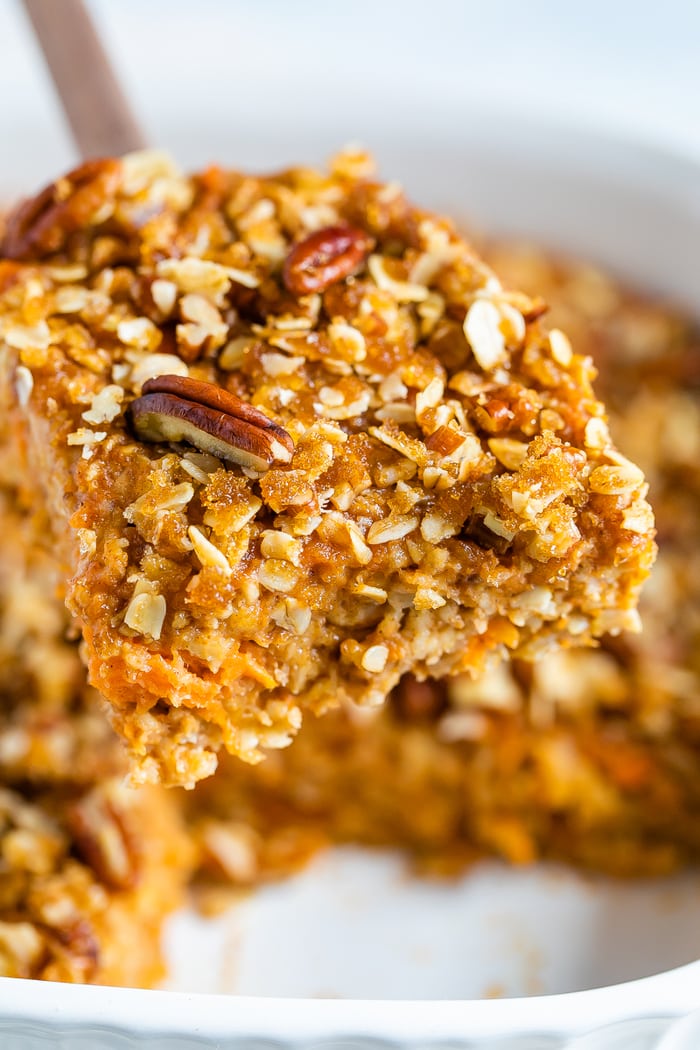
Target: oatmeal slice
[{"x": 297, "y": 440}]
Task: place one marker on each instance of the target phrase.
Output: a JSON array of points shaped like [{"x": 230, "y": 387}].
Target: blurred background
[
  {"x": 539, "y": 119},
  {"x": 214, "y": 77}
]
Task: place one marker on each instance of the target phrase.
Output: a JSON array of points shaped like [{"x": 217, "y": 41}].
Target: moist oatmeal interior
[{"x": 297, "y": 440}]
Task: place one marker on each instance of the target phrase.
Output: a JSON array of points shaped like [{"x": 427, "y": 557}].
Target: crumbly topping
[{"x": 442, "y": 448}]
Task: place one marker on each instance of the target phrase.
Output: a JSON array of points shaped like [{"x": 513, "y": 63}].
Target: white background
[{"x": 630, "y": 66}]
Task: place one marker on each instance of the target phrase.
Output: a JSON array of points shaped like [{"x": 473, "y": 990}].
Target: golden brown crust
[{"x": 453, "y": 494}]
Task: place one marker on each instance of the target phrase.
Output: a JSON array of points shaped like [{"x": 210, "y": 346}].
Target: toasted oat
[
  {"x": 561, "y": 347},
  {"x": 164, "y": 295},
  {"x": 145, "y": 614},
  {"x": 374, "y": 659},
  {"x": 616, "y": 480},
  {"x": 24, "y": 384},
  {"x": 209, "y": 555},
  {"x": 153, "y": 365},
  {"x": 482, "y": 327},
  {"x": 392, "y": 529},
  {"x": 105, "y": 406},
  {"x": 233, "y": 354}
]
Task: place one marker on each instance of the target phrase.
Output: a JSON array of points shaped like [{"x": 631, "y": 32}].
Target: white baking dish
[{"x": 411, "y": 963}]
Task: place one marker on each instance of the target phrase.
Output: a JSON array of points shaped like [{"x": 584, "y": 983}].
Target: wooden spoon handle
[{"x": 98, "y": 113}]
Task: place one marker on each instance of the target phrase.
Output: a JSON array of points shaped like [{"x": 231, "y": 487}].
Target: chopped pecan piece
[
  {"x": 174, "y": 408},
  {"x": 42, "y": 225},
  {"x": 324, "y": 258},
  {"x": 103, "y": 841},
  {"x": 78, "y": 943},
  {"x": 444, "y": 441}
]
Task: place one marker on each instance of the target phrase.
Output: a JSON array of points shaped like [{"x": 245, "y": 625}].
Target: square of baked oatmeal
[{"x": 296, "y": 439}]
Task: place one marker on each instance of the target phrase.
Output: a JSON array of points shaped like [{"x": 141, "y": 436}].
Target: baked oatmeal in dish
[
  {"x": 89, "y": 868},
  {"x": 590, "y": 756},
  {"x": 87, "y": 878},
  {"x": 297, "y": 440}
]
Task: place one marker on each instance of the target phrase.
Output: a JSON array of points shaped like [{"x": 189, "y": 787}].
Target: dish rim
[{"x": 664, "y": 996}]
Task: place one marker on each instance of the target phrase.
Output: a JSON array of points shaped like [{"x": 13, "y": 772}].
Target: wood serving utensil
[{"x": 98, "y": 113}]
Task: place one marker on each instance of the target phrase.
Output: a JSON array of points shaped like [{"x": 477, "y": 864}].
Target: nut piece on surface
[
  {"x": 325, "y": 257},
  {"x": 174, "y": 408},
  {"x": 43, "y": 224}
]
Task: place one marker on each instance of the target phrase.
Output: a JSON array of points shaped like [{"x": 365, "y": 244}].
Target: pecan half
[
  {"x": 42, "y": 225},
  {"x": 174, "y": 408},
  {"x": 325, "y": 257},
  {"x": 103, "y": 841}
]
